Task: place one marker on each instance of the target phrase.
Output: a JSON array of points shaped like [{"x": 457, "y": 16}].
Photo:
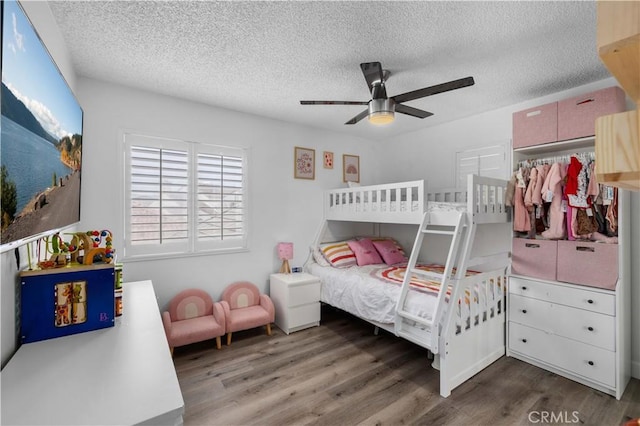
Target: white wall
[
  {"x": 430, "y": 154},
  {"x": 281, "y": 208},
  {"x": 42, "y": 19}
]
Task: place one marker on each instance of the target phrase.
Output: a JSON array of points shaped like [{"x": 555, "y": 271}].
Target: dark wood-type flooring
[{"x": 342, "y": 374}]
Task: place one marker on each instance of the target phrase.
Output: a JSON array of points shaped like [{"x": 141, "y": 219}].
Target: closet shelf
[
  {"x": 618, "y": 150},
  {"x": 571, "y": 144}
]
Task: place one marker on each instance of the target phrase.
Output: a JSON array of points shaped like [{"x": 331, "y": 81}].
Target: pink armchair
[
  {"x": 193, "y": 317},
  {"x": 245, "y": 308}
]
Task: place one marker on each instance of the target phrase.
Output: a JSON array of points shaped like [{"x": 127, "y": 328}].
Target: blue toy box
[{"x": 62, "y": 301}]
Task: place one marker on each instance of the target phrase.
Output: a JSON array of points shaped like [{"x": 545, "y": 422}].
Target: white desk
[{"x": 119, "y": 375}]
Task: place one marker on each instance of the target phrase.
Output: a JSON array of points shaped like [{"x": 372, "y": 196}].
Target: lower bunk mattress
[{"x": 371, "y": 292}]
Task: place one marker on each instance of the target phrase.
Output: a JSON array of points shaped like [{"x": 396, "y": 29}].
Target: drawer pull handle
[
  {"x": 532, "y": 245},
  {"x": 591, "y": 363},
  {"x": 524, "y": 311},
  {"x": 590, "y": 301},
  {"x": 524, "y": 288},
  {"x": 590, "y": 328},
  {"x": 524, "y": 340},
  {"x": 585, "y": 101},
  {"x": 534, "y": 113},
  {"x": 583, "y": 248}
]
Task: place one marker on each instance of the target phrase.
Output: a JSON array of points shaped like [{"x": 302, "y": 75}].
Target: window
[
  {"x": 490, "y": 161},
  {"x": 183, "y": 197}
]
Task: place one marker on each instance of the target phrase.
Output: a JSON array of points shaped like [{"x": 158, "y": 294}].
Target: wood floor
[{"x": 342, "y": 374}]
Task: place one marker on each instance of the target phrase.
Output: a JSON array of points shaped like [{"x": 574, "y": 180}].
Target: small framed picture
[
  {"x": 350, "y": 168},
  {"x": 328, "y": 159},
  {"x": 304, "y": 163}
]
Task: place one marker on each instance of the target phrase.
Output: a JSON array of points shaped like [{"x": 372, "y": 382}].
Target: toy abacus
[{"x": 90, "y": 243}]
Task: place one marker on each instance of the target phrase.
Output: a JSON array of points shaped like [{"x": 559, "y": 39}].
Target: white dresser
[
  {"x": 120, "y": 375},
  {"x": 565, "y": 328},
  {"x": 296, "y": 298}
]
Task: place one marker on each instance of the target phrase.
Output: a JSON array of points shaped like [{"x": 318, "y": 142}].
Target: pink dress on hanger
[
  {"x": 553, "y": 183},
  {"x": 521, "y": 221},
  {"x": 536, "y": 196},
  {"x": 528, "y": 195}
]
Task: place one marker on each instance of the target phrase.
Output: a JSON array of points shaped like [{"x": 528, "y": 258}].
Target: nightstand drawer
[
  {"x": 595, "y": 301},
  {"x": 584, "y": 326},
  {"x": 593, "y": 363},
  {"x": 301, "y": 294},
  {"x": 304, "y": 315}
]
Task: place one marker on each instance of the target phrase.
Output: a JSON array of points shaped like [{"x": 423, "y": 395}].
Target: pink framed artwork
[
  {"x": 350, "y": 168},
  {"x": 328, "y": 159},
  {"x": 304, "y": 163}
]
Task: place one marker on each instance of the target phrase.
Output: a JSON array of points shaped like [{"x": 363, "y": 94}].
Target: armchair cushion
[
  {"x": 246, "y": 318},
  {"x": 195, "y": 330}
]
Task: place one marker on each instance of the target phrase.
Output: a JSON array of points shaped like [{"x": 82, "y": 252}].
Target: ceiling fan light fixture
[{"x": 381, "y": 111}]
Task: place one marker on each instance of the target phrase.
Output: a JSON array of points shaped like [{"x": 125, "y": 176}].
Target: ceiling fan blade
[
  {"x": 433, "y": 90},
  {"x": 372, "y": 73},
  {"x": 414, "y": 112},
  {"x": 334, "y": 103},
  {"x": 358, "y": 117}
]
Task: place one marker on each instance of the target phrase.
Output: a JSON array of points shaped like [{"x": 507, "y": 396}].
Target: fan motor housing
[{"x": 377, "y": 106}]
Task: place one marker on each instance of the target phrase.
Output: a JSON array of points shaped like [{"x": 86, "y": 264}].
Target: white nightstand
[{"x": 297, "y": 301}]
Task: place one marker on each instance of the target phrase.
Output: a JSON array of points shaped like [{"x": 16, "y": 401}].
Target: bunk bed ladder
[{"x": 423, "y": 331}]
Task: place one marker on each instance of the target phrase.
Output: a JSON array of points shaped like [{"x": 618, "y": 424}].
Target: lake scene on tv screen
[{"x": 41, "y": 137}]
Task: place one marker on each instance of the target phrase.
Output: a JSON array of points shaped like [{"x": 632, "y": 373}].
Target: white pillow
[{"x": 319, "y": 257}]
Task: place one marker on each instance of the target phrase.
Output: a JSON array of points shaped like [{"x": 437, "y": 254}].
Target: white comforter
[{"x": 354, "y": 290}]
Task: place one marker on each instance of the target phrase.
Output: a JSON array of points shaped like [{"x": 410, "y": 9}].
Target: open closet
[{"x": 569, "y": 289}]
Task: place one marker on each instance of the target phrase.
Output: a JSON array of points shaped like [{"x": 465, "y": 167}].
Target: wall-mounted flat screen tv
[{"x": 41, "y": 137}]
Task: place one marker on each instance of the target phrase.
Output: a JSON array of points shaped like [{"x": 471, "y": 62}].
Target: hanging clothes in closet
[{"x": 559, "y": 197}]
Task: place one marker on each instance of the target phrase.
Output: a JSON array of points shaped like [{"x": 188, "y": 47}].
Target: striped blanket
[{"x": 395, "y": 275}]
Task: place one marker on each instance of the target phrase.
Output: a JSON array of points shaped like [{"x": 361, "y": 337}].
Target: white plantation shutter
[
  {"x": 183, "y": 197},
  {"x": 489, "y": 161},
  {"x": 221, "y": 202}
]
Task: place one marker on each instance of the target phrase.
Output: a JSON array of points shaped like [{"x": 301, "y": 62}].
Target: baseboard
[{"x": 635, "y": 369}]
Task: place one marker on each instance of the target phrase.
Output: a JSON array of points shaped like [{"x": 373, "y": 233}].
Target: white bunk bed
[{"x": 464, "y": 340}]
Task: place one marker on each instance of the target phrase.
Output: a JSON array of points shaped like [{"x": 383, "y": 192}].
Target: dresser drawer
[
  {"x": 587, "y": 263},
  {"x": 595, "y": 301},
  {"x": 534, "y": 258},
  {"x": 584, "y": 326},
  {"x": 595, "y": 364},
  {"x": 577, "y": 115},
  {"x": 535, "y": 126}
]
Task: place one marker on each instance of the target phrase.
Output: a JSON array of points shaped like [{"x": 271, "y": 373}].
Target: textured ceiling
[{"x": 264, "y": 57}]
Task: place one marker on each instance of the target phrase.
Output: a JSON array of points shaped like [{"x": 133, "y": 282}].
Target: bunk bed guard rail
[{"x": 402, "y": 202}]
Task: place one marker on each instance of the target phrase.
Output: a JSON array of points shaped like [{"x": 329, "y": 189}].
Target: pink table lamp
[{"x": 285, "y": 253}]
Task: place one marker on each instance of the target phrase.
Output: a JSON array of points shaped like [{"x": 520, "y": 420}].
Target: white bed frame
[{"x": 461, "y": 351}]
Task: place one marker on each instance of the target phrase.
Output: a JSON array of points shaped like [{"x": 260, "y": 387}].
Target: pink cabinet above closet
[
  {"x": 535, "y": 126},
  {"x": 577, "y": 115},
  {"x": 568, "y": 119}
]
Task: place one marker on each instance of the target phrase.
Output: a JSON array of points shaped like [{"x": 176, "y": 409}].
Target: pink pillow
[
  {"x": 389, "y": 252},
  {"x": 366, "y": 253}
]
